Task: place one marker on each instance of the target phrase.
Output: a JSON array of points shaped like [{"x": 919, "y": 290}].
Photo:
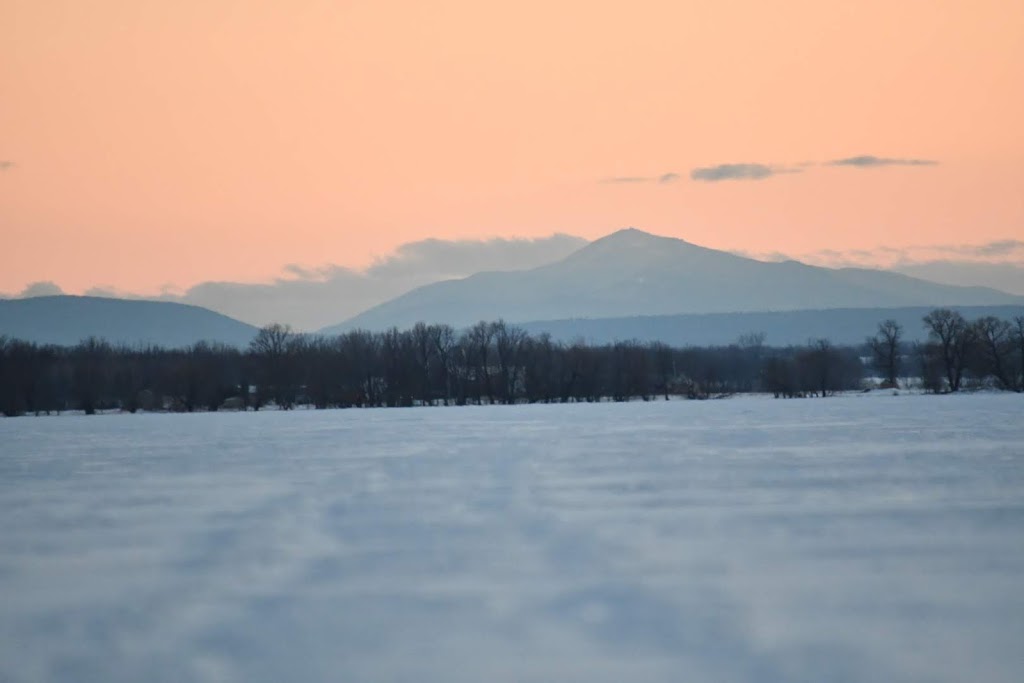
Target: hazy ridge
[
  {"x": 66, "y": 320},
  {"x": 632, "y": 273},
  {"x": 627, "y": 285}
]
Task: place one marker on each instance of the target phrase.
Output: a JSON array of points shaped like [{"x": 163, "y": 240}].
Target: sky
[{"x": 150, "y": 146}]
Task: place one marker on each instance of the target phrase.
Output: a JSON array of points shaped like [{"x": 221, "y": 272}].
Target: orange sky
[{"x": 150, "y": 142}]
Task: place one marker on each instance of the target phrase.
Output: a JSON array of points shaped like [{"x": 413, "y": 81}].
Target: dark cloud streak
[
  {"x": 714, "y": 174},
  {"x": 869, "y": 161},
  {"x": 627, "y": 179},
  {"x": 663, "y": 179},
  {"x": 756, "y": 171}
]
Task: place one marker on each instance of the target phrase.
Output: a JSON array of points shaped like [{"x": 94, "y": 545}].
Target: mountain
[
  {"x": 633, "y": 273},
  {"x": 65, "y": 320},
  {"x": 844, "y": 326}
]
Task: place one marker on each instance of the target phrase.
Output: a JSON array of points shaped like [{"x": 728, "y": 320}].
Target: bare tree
[
  {"x": 954, "y": 337},
  {"x": 90, "y": 380},
  {"x": 508, "y": 346},
  {"x": 779, "y": 376},
  {"x": 477, "y": 341},
  {"x": 748, "y": 360},
  {"x": 885, "y": 349},
  {"x": 581, "y": 371},
  {"x": 19, "y": 369},
  {"x": 443, "y": 339},
  {"x": 1017, "y": 330},
  {"x": 818, "y": 365},
  {"x": 398, "y": 364},
  {"x": 272, "y": 340},
  {"x": 994, "y": 348},
  {"x": 665, "y": 364},
  {"x": 422, "y": 337},
  {"x": 540, "y": 368},
  {"x": 752, "y": 340},
  {"x": 320, "y": 370},
  {"x": 362, "y": 365},
  {"x": 272, "y": 348}
]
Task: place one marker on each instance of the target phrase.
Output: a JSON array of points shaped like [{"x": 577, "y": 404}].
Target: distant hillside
[
  {"x": 783, "y": 328},
  {"x": 631, "y": 273},
  {"x": 66, "y": 320}
]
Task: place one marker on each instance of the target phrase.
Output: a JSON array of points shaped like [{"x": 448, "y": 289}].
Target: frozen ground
[{"x": 847, "y": 539}]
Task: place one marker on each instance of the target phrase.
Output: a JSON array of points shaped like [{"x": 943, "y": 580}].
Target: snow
[{"x": 840, "y": 539}]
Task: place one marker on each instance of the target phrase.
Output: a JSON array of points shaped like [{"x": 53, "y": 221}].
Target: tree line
[
  {"x": 987, "y": 352},
  {"x": 490, "y": 362}
]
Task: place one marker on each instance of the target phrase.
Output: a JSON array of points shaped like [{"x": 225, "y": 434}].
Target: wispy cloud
[
  {"x": 714, "y": 174},
  {"x": 627, "y": 179},
  {"x": 439, "y": 259},
  {"x": 662, "y": 179},
  {"x": 998, "y": 264},
  {"x": 107, "y": 292},
  {"x": 42, "y": 288},
  {"x": 869, "y": 161},
  {"x": 1007, "y": 251},
  {"x": 758, "y": 171},
  {"x": 310, "y": 298},
  {"x": 1007, "y": 277},
  {"x": 997, "y": 248},
  {"x": 315, "y": 274}
]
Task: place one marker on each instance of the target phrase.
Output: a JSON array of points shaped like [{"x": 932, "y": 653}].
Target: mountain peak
[
  {"x": 633, "y": 244},
  {"x": 634, "y": 235}
]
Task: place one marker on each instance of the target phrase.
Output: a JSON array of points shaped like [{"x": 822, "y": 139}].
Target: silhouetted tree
[
  {"x": 953, "y": 337},
  {"x": 363, "y": 383},
  {"x": 540, "y": 372},
  {"x": 273, "y": 350},
  {"x": 422, "y": 346},
  {"x": 90, "y": 374},
  {"x": 994, "y": 347},
  {"x": 15, "y": 375},
  {"x": 443, "y": 339},
  {"x": 779, "y": 376},
  {"x": 665, "y": 367},
  {"x": 747, "y": 361},
  {"x": 127, "y": 379},
  {"x": 930, "y": 368},
  {"x": 817, "y": 365},
  {"x": 508, "y": 347},
  {"x": 885, "y": 351},
  {"x": 477, "y": 341},
  {"x": 1017, "y": 331}
]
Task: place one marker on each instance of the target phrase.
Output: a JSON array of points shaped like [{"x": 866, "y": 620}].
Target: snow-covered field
[{"x": 848, "y": 539}]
